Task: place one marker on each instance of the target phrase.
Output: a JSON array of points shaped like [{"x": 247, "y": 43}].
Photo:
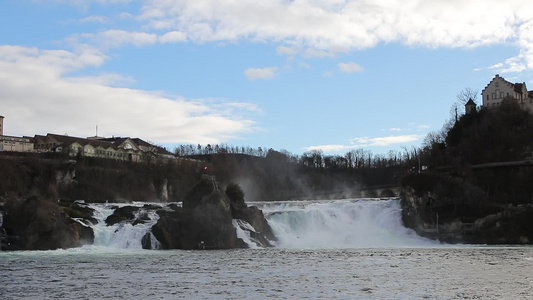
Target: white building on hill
[
  {"x": 14, "y": 143},
  {"x": 499, "y": 89}
]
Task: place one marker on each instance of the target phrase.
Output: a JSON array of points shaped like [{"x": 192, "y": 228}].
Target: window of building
[{"x": 496, "y": 83}]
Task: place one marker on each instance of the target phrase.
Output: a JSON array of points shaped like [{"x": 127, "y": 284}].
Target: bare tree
[
  {"x": 466, "y": 94},
  {"x": 458, "y": 107}
]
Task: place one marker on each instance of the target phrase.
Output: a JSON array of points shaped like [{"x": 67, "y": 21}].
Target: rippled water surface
[{"x": 368, "y": 273}]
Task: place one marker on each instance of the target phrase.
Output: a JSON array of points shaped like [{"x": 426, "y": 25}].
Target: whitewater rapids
[
  {"x": 332, "y": 224},
  {"x": 340, "y": 224}
]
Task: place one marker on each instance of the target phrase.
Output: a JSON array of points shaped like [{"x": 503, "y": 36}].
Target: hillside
[{"x": 479, "y": 187}]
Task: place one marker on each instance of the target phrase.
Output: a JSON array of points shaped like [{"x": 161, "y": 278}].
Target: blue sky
[{"x": 296, "y": 75}]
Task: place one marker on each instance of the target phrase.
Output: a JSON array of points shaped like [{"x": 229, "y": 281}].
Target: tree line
[{"x": 355, "y": 159}]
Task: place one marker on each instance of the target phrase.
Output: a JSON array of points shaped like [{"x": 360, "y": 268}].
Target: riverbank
[{"x": 452, "y": 210}]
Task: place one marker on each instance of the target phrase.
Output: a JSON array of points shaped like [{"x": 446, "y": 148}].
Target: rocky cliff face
[
  {"x": 453, "y": 211},
  {"x": 93, "y": 180}
]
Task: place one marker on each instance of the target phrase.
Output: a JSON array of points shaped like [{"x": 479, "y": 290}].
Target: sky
[{"x": 294, "y": 75}]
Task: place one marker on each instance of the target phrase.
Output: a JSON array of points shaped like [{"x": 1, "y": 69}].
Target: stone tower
[
  {"x": 1, "y": 125},
  {"x": 470, "y": 106}
]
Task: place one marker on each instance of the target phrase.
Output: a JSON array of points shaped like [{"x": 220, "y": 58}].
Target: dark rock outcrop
[
  {"x": 206, "y": 219},
  {"x": 40, "y": 224},
  {"x": 252, "y": 215},
  {"x": 146, "y": 241},
  {"x": 441, "y": 207},
  {"x": 79, "y": 211},
  {"x": 168, "y": 229},
  {"x": 125, "y": 213}
]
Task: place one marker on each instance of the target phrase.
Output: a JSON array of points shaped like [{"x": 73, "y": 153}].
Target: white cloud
[
  {"x": 365, "y": 142},
  {"x": 322, "y": 28},
  {"x": 423, "y": 126},
  {"x": 123, "y": 37},
  {"x": 126, "y": 16},
  {"x": 304, "y": 65},
  {"x": 350, "y": 67},
  {"x": 312, "y": 53},
  {"x": 113, "y": 38},
  {"x": 284, "y": 50},
  {"x": 261, "y": 73},
  {"x": 38, "y": 97},
  {"x": 109, "y": 79},
  {"x": 325, "y": 27},
  {"x": 384, "y": 141},
  {"x": 173, "y": 37},
  {"x": 324, "y": 24},
  {"x": 496, "y": 66},
  {"x": 329, "y": 148},
  {"x": 94, "y": 19}
]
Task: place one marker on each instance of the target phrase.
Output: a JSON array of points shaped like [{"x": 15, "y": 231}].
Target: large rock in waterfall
[
  {"x": 205, "y": 220},
  {"x": 37, "y": 223},
  {"x": 262, "y": 233}
]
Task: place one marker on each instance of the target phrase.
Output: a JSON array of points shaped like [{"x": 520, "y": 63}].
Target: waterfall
[
  {"x": 244, "y": 230},
  {"x": 124, "y": 235},
  {"x": 355, "y": 223},
  {"x": 337, "y": 224}
]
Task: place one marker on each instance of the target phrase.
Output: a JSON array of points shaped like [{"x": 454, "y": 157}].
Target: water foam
[
  {"x": 244, "y": 230},
  {"x": 354, "y": 223},
  {"x": 338, "y": 224},
  {"x": 123, "y": 235}
]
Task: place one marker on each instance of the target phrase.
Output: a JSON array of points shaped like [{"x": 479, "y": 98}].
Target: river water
[
  {"x": 375, "y": 273},
  {"x": 359, "y": 250}
]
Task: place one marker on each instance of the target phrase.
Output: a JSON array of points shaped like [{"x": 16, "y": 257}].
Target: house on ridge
[
  {"x": 14, "y": 143},
  {"x": 124, "y": 149},
  {"x": 499, "y": 89}
]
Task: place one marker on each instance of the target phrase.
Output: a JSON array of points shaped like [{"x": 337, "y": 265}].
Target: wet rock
[
  {"x": 125, "y": 213},
  {"x": 37, "y": 223},
  {"x": 146, "y": 241},
  {"x": 440, "y": 207},
  {"x": 151, "y": 206},
  {"x": 168, "y": 229},
  {"x": 513, "y": 226},
  {"x": 79, "y": 211},
  {"x": 85, "y": 234},
  {"x": 252, "y": 215},
  {"x": 206, "y": 219}
]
